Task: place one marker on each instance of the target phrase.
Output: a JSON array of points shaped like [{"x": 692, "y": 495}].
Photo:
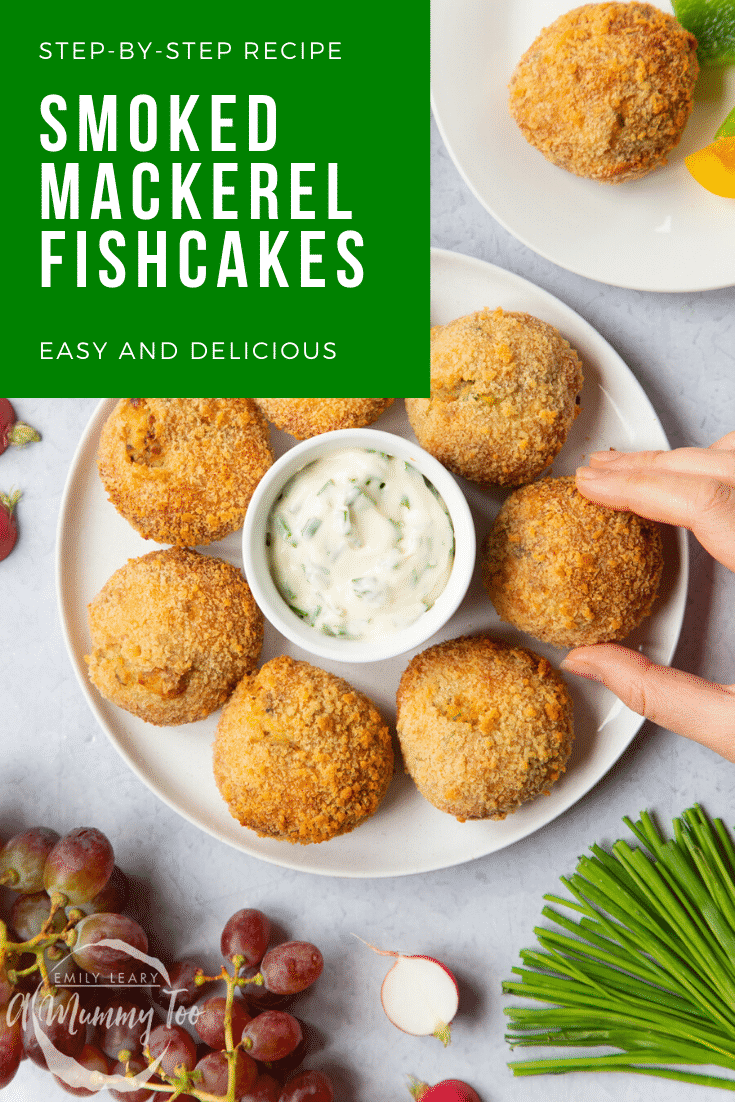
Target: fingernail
[
  {"x": 607, "y": 456},
  {"x": 574, "y": 665},
  {"x": 589, "y": 474}
]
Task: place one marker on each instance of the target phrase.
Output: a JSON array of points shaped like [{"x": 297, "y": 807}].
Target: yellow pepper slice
[{"x": 714, "y": 166}]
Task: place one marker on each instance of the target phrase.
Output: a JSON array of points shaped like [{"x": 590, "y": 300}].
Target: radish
[
  {"x": 419, "y": 995},
  {"x": 8, "y": 527},
  {"x": 14, "y": 432},
  {"x": 449, "y": 1090}
]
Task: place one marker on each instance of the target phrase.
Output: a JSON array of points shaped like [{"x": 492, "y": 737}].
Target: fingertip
[
  {"x": 593, "y": 661},
  {"x": 577, "y": 662}
]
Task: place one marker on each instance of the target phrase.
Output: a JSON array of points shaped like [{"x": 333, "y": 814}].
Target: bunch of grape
[{"x": 66, "y": 932}]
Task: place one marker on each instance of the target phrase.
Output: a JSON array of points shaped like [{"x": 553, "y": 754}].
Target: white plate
[
  {"x": 407, "y": 834},
  {"x": 661, "y": 233}
]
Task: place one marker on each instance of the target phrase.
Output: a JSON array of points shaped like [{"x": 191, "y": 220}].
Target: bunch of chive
[{"x": 649, "y": 970}]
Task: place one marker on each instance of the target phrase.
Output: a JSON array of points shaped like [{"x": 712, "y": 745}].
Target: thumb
[{"x": 681, "y": 702}]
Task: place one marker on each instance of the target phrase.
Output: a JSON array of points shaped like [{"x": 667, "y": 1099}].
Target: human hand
[{"x": 693, "y": 488}]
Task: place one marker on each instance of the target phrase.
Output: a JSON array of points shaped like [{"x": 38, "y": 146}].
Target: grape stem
[
  {"x": 237, "y": 981},
  {"x": 45, "y": 939},
  {"x": 230, "y": 1048},
  {"x": 175, "y": 1086},
  {"x": 184, "y": 1083}
]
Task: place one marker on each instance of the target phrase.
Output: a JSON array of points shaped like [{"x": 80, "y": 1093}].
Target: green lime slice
[
  {"x": 727, "y": 130},
  {"x": 712, "y": 22}
]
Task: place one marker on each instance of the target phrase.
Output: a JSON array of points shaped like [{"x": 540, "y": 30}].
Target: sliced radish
[{"x": 419, "y": 995}]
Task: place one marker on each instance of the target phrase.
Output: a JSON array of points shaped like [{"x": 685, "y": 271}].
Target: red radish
[
  {"x": 17, "y": 433},
  {"x": 8, "y": 527},
  {"x": 419, "y": 995},
  {"x": 449, "y": 1090}
]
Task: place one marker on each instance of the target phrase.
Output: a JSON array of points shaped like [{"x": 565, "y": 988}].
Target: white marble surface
[{"x": 58, "y": 767}]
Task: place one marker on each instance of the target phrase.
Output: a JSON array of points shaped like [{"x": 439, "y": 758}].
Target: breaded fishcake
[
  {"x": 483, "y": 726},
  {"x": 606, "y": 90},
  {"x": 305, "y": 417},
  {"x": 172, "y": 634},
  {"x": 300, "y": 755},
  {"x": 182, "y": 470},
  {"x": 568, "y": 571},
  {"x": 504, "y": 389}
]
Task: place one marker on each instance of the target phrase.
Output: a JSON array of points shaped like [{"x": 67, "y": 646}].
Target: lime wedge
[
  {"x": 712, "y": 22},
  {"x": 727, "y": 130}
]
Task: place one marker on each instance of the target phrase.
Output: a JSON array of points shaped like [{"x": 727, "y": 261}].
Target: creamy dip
[{"x": 360, "y": 544}]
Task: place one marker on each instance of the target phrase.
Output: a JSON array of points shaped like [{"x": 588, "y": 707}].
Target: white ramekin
[{"x": 257, "y": 569}]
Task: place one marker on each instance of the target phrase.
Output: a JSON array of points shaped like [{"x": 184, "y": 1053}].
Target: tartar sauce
[{"x": 360, "y": 544}]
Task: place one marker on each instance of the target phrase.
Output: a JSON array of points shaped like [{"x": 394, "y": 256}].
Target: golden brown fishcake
[
  {"x": 300, "y": 755},
  {"x": 504, "y": 389},
  {"x": 568, "y": 571},
  {"x": 172, "y": 634},
  {"x": 606, "y": 90},
  {"x": 305, "y": 417},
  {"x": 182, "y": 470},
  {"x": 483, "y": 726}
]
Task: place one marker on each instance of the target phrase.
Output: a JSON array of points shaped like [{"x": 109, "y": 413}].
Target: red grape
[
  {"x": 93, "y": 1060},
  {"x": 183, "y": 985},
  {"x": 265, "y": 1089},
  {"x": 55, "y": 1011},
  {"x": 281, "y": 1069},
  {"x": 79, "y": 865},
  {"x": 6, "y": 987},
  {"x": 175, "y": 1047},
  {"x": 246, "y": 934},
  {"x": 214, "y": 1071},
  {"x": 11, "y": 1045},
  {"x": 308, "y": 1086},
  {"x": 260, "y": 997},
  {"x": 290, "y": 967},
  {"x": 62, "y": 971},
  {"x": 124, "y": 1027},
  {"x": 23, "y": 857},
  {"x": 102, "y": 959},
  {"x": 135, "y": 1065},
  {"x": 29, "y": 914},
  {"x": 113, "y": 896},
  {"x": 210, "y": 1023},
  {"x": 271, "y": 1035}
]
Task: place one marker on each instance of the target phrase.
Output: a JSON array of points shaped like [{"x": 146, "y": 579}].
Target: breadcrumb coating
[
  {"x": 504, "y": 389},
  {"x": 606, "y": 90},
  {"x": 182, "y": 470},
  {"x": 483, "y": 726},
  {"x": 172, "y": 634},
  {"x": 568, "y": 571},
  {"x": 299, "y": 755},
  {"x": 305, "y": 417}
]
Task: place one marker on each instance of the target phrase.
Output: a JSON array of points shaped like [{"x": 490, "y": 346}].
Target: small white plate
[
  {"x": 661, "y": 233},
  {"x": 407, "y": 835}
]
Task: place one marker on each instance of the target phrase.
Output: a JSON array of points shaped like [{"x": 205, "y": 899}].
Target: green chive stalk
[{"x": 647, "y": 973}]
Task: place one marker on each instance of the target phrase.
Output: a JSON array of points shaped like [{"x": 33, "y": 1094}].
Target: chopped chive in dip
[{"x": 361, "y": 542}]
